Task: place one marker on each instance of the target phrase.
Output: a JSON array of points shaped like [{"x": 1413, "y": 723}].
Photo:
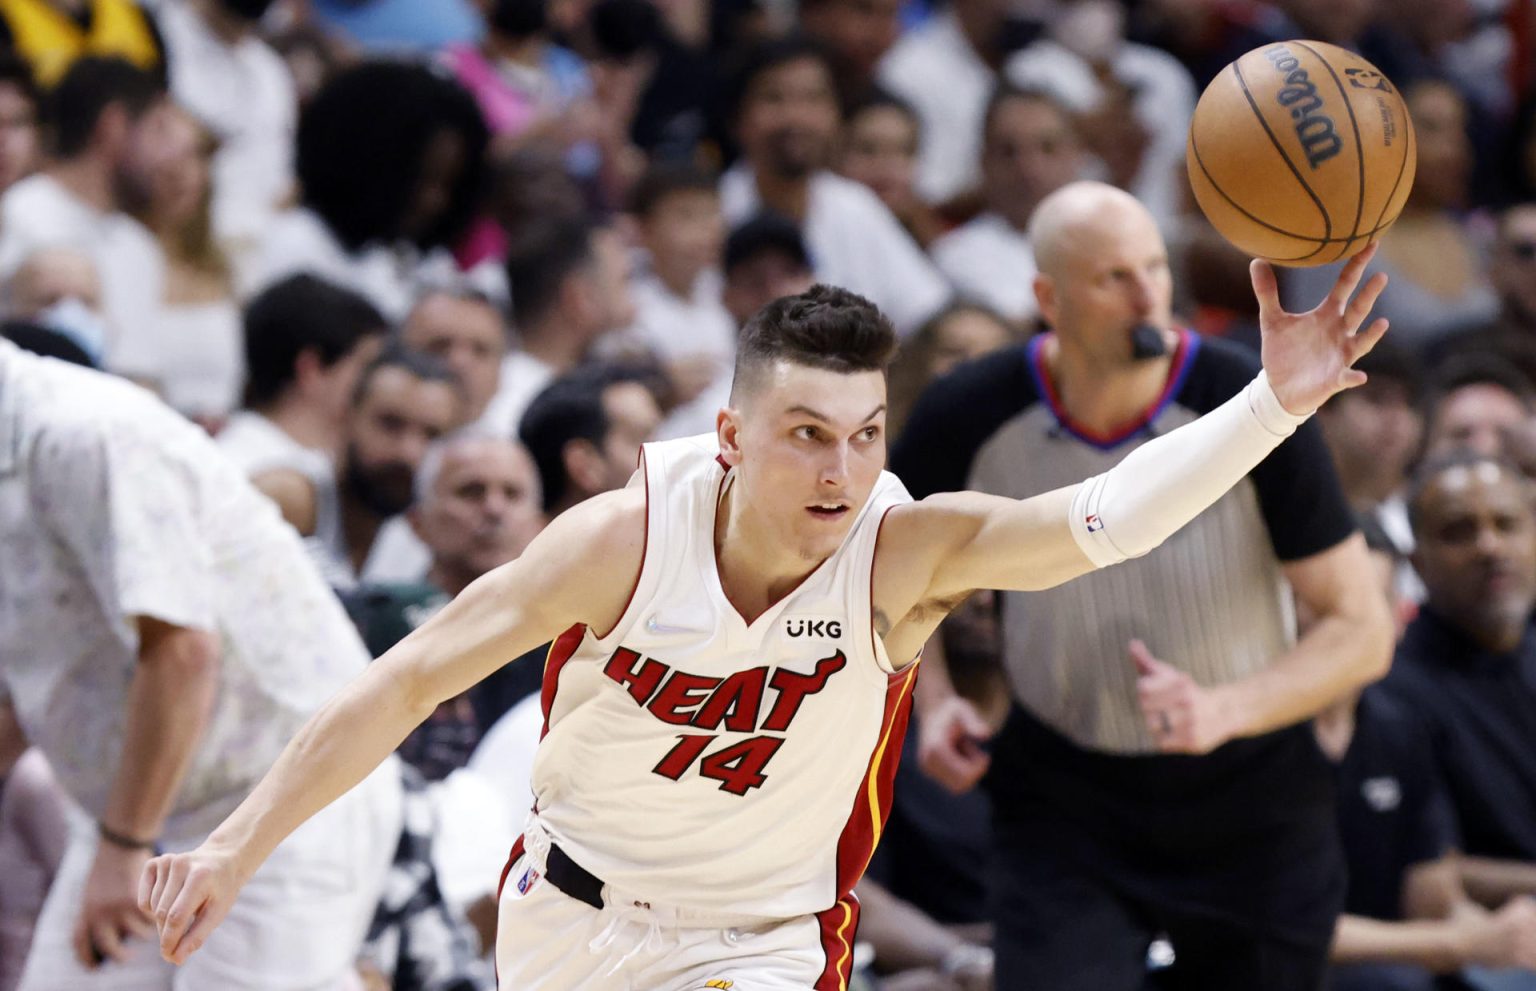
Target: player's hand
[
  {"x": 1308, "y": 356},
  {"x": 1182, "y": 716},
  {"x": 109, "y": 916},
  {"x": 1506, "y": 938},
  {"x": 187, "y": 895},
  {"x": 949, "y": 744}
]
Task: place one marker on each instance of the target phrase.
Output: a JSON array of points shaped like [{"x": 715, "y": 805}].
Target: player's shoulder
[{"x": 606, "y": 527}]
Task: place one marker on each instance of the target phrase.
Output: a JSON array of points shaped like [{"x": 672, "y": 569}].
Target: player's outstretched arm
[
  {"x": 1127, "y": 511},
  {"x": 579, "y": 570}
]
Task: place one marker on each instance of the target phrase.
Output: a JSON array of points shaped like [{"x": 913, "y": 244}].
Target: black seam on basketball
[
  {"x": 1254, "y": 106},
  {"x": 1354, "y": 124},
  {"x": 1410, "y": 144},
  {"x": 1194, "y": 146}
]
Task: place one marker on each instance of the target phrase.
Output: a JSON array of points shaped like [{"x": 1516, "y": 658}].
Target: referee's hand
[
  {"x": 1182, "y": 716},
  {"x": 949, "y": 744}
]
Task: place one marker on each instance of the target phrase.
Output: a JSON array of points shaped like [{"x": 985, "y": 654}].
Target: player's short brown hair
[{"x": 823, "y": 327}]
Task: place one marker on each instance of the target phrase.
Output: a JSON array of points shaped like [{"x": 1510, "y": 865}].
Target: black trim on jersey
[{"x": 1302, "y": 503}]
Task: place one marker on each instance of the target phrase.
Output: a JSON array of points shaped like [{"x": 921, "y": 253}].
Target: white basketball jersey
[{"x": 717, "y": 765}]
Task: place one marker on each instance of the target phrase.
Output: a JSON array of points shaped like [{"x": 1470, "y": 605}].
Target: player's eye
[
  {"x": 806, "y": 432},
  {"x": 869, "y": 434}
]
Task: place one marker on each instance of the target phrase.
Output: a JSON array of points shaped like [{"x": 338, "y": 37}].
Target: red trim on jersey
[
  {"x": 559, "y": 652},
  {"x": 838, "y": 925},
  {"x": 872, "y": 804},
  {"x": 1176, "y": 372}
]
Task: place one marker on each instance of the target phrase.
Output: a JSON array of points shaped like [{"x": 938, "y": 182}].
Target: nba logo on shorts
[
  {"x": 1094, "y": 523},
  {"x": 528, "y": 880}
]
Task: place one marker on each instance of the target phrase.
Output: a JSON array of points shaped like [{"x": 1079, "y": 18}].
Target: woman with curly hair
[{"x": 390, "y": 159}]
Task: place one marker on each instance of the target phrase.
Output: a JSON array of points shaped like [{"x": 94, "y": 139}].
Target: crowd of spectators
[{"x": 426, "y": 273}]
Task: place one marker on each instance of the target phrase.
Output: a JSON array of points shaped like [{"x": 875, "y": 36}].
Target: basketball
[{"x": 1301, "y": 153}]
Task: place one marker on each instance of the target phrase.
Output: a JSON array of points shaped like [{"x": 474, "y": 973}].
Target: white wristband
[{"x": 1272, "y": 414}]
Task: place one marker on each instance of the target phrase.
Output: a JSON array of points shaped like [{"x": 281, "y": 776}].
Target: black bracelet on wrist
[{"x": 125, "y": 842}]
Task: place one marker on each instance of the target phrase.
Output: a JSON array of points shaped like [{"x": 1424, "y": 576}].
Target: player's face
[
  {"x": 1476, "y": 546},
  {"x": 809, "y": 445},
  {"x": 1113, "y": 276}
]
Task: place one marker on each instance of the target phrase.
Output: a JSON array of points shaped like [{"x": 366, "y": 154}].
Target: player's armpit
[
  {"x": 581, "y": 569},
  {"x": 953, "y": 543}
]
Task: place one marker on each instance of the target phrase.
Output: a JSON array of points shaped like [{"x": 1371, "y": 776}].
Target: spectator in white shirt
[
  {"x": 193, "y": 359},
  {"x": 570, "y": 286},
  {"x": 230, "y": 79},
  {"x": 389, "y": 158},
  {"x": 161, "y": 637},
  {"x": 306, "y": 345},
  {"x": 678, "y": 314},
  {"x": 879, "y": 148},
  {"x": 109, "y": 123},
  {"x": 467, "y": 331},
  {"x": 20, "y": 149},
  {"x": 946, "y": 69},
  {"x": 1029, "y": 150},
  {"x": 786, "y": 118}
]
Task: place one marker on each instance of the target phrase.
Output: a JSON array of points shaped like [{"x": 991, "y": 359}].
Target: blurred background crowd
[{"x": 430, "y": 272}]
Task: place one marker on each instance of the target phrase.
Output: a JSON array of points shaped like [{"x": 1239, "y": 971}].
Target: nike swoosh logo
[{"x": 662, "y": 629}]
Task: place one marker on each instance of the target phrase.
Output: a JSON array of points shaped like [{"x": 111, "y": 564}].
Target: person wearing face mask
[{"x": 225, "y": 75}]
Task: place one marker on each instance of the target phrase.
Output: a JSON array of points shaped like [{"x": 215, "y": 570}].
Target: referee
[{"x": 1157, "y": 773}]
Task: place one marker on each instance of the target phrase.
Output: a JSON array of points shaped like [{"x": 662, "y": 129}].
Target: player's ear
[{"x": 728, "y": 432}]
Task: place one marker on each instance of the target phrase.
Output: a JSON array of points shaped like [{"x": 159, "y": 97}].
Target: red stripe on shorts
[{"x": 838, "y": 925}]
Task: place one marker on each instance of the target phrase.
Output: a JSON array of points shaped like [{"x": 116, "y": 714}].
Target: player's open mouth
[{"x": 827, "y": 510}]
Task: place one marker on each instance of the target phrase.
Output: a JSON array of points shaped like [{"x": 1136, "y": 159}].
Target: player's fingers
[
  {"x": 183, "y": 912},
  {"x": 1362, "y": 343},
  {"x": 1364, "y": 301},
  {"x": 1265, "y": 289},
  {"x": 196, "y": 936},
  {"x": 175, "y": 881},
  {"x": 1349, "y": 278}
]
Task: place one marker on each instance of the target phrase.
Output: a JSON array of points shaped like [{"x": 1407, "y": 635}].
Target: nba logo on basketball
[
  {"x": 1094, "y": 523},
  {"x": 529, "y": 879}
]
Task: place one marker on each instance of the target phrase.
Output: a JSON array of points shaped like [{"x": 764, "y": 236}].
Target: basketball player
[{"x": 735, "y": 644}]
